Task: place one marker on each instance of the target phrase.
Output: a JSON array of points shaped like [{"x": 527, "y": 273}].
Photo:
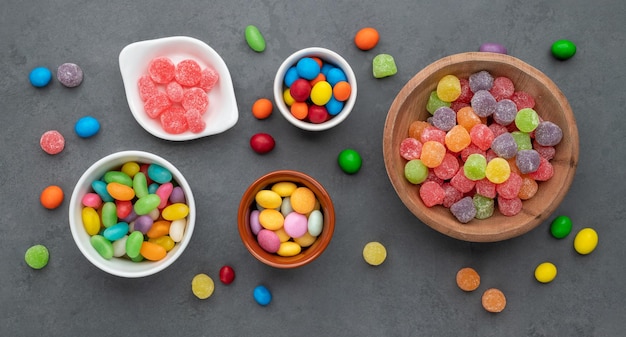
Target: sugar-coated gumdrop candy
[
  {"x": 464, "y": 210},
  {"x": 444, "y": 118},
  {"x": 481, "y": 136},
  {"x": 467, "y": 118},
  {"x": 70, "y": 75},
  {"x": 505, "y": 113},
  {"x": 202, "y": 286},
  {"x": 484, "y": 206},
  {"x": 452, "y": 195},
  {"x": 483, "y": 103},
  {"x": 434, "y": 103},
  {"x": 511, "y": 187},
  {"x": 548, "y": 134},
  {"x": 410, "y": 148},
  {"x": 544, "y": 172},
  {"x": 432, "y": 153},
  {"x": 466, "y": 92},
  {"x": 523, "y": 100},
  {"x": 161, "y": 70},
  {"x": 504, "y": 145},
  {"x": 173, "y": 120},
  {"x": 431, "y": 133},
  {"x": 457, "y": 139},
  {"x": 416, "y": 128},
  {"x": 547, "y": 152},
  {"x": 432, "y": 193},
  {"x": 449, "y": 88},
  {"x": 37, "y": 256},
  {"x": 481, "y": 80},
  {"x": 471, "y": 149},
  {"x": 497, "y": 170},
  {"x": 195, "y": 98},
  {"x": 475, "y": 166},
  {"x": 147, "y": 87},
  {"x": 522, "y": 139},
  {"x": 156, "y": 104},
  {"x": 498, "y": 129},
  {"x": 509, "y": 207},
  {"x": 383, "y": 65},
  {"x": 188, "y": 72},
  {"x": 194, "y": 121},
  {"x": 527, "y": 161},
  {"x": 462, "y": 183},
  {"x": 503, "y": 88},
  {"x": 52, "y": 142},
  {"x": 174, "y": 91},
  {"x": 448, "y": 167},
  {"x": 527, "y": 120},
  {"x": 415, "y": 171},
  {"x": 528, "y": 189},
  {"x": 486, "y": 188},
  {"x": 208, "y": 78}
]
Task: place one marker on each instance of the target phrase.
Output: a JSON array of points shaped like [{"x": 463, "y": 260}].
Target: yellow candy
[
  {"x": 91, "y": 220},
  {"x": 303, "y": 200},
  {"x": 285, "y": 188},
  {"x": 164, "y": 241},
  {"x": 268, "y": 199},
  {"x": 449, "y": 88},
  {"x": 202, "y": 286},
  {"x": 498, "y": 170},
  {"x": 289, "y": 248},
  {"x": 130, "y": 168},
  {"x": 175, "y": 211},
  {"x": 586, "y": 241},
  {"x": 282, "y": 235},
  {"x": 271, "y": 219},
  {"x": 374, "y": 253},
  {"x": 287, "y": 97},
  {"x": 545, "y": 272},
  {"x": 305, "y": 240},
  {"x": 321, "y": 93}
]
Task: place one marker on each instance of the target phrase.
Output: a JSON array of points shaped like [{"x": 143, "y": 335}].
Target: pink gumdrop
[
  {"x": 147, "y": 87},
  {"x": 174, "y": 91},
  {"x": 452, "y": 195},
  {"x": 164, "y": 191},
  {"x": 432, "y": 193},
  {"x": 448, "y": 167},
  {"x": 255, "y": 225},
  {"x": 510, "y": 188},
  {"x": 52, "y": 142},
  {"x": 461, "y": 182},
  {"x": 410, "y": 148},
  {"x": 296, "y": 224},
  {"x": 173, "y": 120},
  {"x": 300, "y": 90},
  {"x": 544, "y": 172},
  {"x": 523, "y": 100},
  {"x": 509, "y": 207},
  {"x": 547, "y": 152},
  {"x": 161, "y": 70},
  {"x": 433, "y": 177},
  {"x": 469, "y": 150},
  {"x": 208, "y": 79},
  {"x": 486, "y": 188},
  {"x": 268, "y": 240},
  {"x": 498, "y": 129},
  {"x": 431, "y": 133},
  {"x": 123, "y": 208},
  {"x": 92, "y": 200},
  {"x": 188, "y": 73},
  {"x": 195, "y": 98},
  {"x": 503, "y": 88},
  {"x": 481, "y": 136},
  {"x": 156, "y": 104},
  {"x": 194, "y": 121}
]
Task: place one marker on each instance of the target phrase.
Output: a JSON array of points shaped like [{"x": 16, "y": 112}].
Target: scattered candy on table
[
  {"x": 70, "y": 75},
  {"x": 52, "y": 142},
  {"x": 493, "y": 300},
  {"x": 86, "y": 127},
  {"x": 383, "y": 65},
  {"x": 563, "y": 49},
  {"x": 374, "y": 253},
  {"x": 349, "y": 161},
  {"x": 254, "y": 38},
  {"x": 545, "y": 272},
  {"x": 492, "y": 47},
  {"x": 467, "y": 279},
  {"x": 262, "y": 143},
  {"x": 37, "y": 256},
  {"x": 366, "y": 38},
  {"x": 40, "y": 77},
  {"x": 262, "y": 295},
  {"x": 202, "y": 286},
  {"x": 561, "y": 226},
  {"x": 227, "y": 274},
  {"x": 262, "y": 108},
  {"x": 586, "y": 241},
  {"x": 51, "y": 197}
]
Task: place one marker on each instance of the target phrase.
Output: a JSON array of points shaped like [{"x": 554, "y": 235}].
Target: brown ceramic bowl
[
  {"x": 248, "y": 203},
  {"x": 409, "y": 105}
]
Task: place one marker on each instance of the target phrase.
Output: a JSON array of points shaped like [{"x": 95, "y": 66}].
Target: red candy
[
  {"x": 52, "y": 142},
  {"x": 208, "y": 79},
  {"x": 452, "y": 195},
  {"x": 195, "y": 98},
  {"x": 486, "y": 188},
  {"x": 262, "y": 143},
  {"x": 466, "y": 92},
  {"x": 544, "y": 172},
  {"x": 434, "y": 134},
  {"x": 502, "y": 88},
  {"x": 174, "y": 91},
  {"x": 147, "y": 87},
  {"x": 510, "y": 188},
  {"x": 161, "y": 70},
  {"x": 481, "y": 136},
  {"x": 410, "y": 148},
  {"x": 300, "y": 90},
  {"x": 173, "y": 120},
  {"x": 461, "y": 182},
  {"x": 194, "y": 120},
  {"x": 432, "y": 193},
  {"x": 156, "y": 104},
  {"x": 317, "y": 114},
  {"x": 188, "y": 73},
  {"x": 523, "y": 100},
  {"x": 448, "y": 167},
  {"x": 509, "y": 207},
  {"x": 227, "y": 274}
]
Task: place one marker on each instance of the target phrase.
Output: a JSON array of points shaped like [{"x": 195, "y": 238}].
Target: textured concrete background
[{"x": 413, "y": 293}]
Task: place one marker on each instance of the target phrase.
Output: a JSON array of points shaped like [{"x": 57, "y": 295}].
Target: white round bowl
[
  {"x": 120, "y": 266},
  {"x": 330, "y": 57}
]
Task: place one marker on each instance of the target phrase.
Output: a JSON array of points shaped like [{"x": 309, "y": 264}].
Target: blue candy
[
  {"x": 153, "y": 188},
  {"x": 159, "y": 174},
  {"x": 335, "y": 75},
  {"x": 87, "y": 127},
  {"x": 262, "y": 295},
  {"x": 100, "y": 187},
  {"x": 40, "y": 77},
  {"x": 291, "y": 76},
  {"x": 334, "y": 106},
  {"x": 116, "y": 231},
  {"x": 308, "y": 68}
]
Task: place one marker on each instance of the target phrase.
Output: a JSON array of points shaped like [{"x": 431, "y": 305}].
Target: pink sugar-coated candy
[
  {"x": 161, "y": 70},
  {"x": 123, "y": 208},
  {"x": 523, "y": 100},
  {"x": 456, "y": 106},
  {"x": 511, "y": 187},
  {"x": 268, "y": 240},
  {"x": 296, "y": 224},
  {"x": 195, "y": 121},
  {"x": 544, "y": 172},
  {"x": 433, "y": 177},
  {"x": 452, "y": 195},
  {"x": 547, "y": 152},
  {"x": 164, "y": 191},
  {"x": 481, "y": 136},
  {"x": 255, "y": 225},
  {"x": 177, "y": 195},
  {"x": 432, "y": 193},
  {"x": 147, "y": 87},
  {"x": 509, "y": 207},
  {"x": 502, "y": 88},
  {"x": 156, "y": 104},
  {"x": 174, "y": 91},
  {"x": 410, "y": 148},
  {"x": 469, "y": 150},
  {"x": 431, "y": 133},
  {"x": 92, "y": 200},
  {"x": 462, "y": 183},
  {"x": 208, "y": 79},
  {"x": 486, "y": 188},
  {"x": 490, "y": 154},
  {"x": 497, "y": 129},
  {"x": 466, "y": 92},
  {"x": 173, "y": 120},
  {"x": 188, "y": 73},
  {"x": 448, "y": 167},
  {"x": 52, "y": 142},
  {"x": 195, "y": 98}
]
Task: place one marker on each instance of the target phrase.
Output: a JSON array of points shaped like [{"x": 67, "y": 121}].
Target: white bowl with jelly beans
[
  {"x": 315, "y": 89},
  {"x": 132, "y": 214}
]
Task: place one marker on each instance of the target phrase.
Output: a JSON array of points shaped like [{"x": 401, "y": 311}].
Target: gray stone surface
[{"x": 413, "y": 293}]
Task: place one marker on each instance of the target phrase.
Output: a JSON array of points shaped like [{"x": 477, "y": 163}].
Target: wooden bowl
[
  {"x": 410, "y": 105},
  {"x": 248, "y": 204}
]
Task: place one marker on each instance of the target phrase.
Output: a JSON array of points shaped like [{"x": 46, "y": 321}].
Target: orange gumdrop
[
  {"x": 159, "y": 228},
  {"x": 262, "y": 108},
  {"x": 342, "y": 90},
  {"x": 151, "y": 251},
  {"x": 467, "y": 118},
  {"x": 299, "y": 110},
  {"x": 51, "y": 197},
  {"x": 416, "y": 128},
  {"x": 366, "y": 38},
  {"x": 432, "y": 154},
  {"x": 457, "y": 139},
  {"x": 529, "y": 188}
]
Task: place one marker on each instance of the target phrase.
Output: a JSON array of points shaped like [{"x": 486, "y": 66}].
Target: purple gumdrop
[
  {"x": 177, "y": 195},
  {"x": 527, "y": 161},
  {"x": 492, "y": 47},
  {"x": 548, "y": 134},
  {"x": 444, "y": 118},
  {"x": 504, "y": 146},
  {"x": 483, "y": 103},
  {"x": 464, "y": 210},
  {"x": 481, "y": 80},
  {"x": 70, "y": 75},
  {"x": 143, "y": 224},
  {"x": 505, "y": 113}
]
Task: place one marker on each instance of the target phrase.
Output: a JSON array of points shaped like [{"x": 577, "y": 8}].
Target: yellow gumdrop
[
  {"x": 545, "y": 272},
  {"x": 91, "y": 220},
  {"x": 498, "y": 170},
  {"x": 285, "y": 188},
  {"x": 586, "y": 241},
  {"x": 202, "y": 286},
  {"x": 449, "y": 88},
  {"x": 271, "y": 219},
  {"x": 175, "y": 211},
  {"x": 374, "y": 253},
  {"x": 268, "y": 199},
  {"x": 289, "y": 248}
]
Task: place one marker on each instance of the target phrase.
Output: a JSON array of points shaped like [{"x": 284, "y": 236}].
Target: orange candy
[
  {"x": 159, "y": 228},
  {"x": 318, "y": 78},
  {"x": 120, "y": 191},
  {"x": 432, "y": 154},
  {"x": 458, "y": 139},
  {"x": 467, "y": 279},
  {"x": 342, "y": 90},
  {"x": 493, "y": 300},
  {"x": 152, "y": 251},
  {"x": 529, "y": 188},
  {"x": 467, "y": 118},
  {"x": 51, "y": 197},
  {"x": 366, "y": 38},
  {"x": 262, "y": 108},
  {"x": 299, "y": 110},
  {"x": 416, "y": 128}
]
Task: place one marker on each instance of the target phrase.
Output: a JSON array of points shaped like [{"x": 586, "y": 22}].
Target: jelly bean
[
  {"x": 449, "y": 88},
  {"x": 143, "y": 223},
  {"x": 159, "y": 173},
  {"x": 431, "y": 193},
  {"x": 140, "y": 185},
  {"x": 119, "y": 246},
  {"x": 366, "y": 38},
  {"x": 133, "y": 244},
  {"x": 152, "y": 188},
  {"x": 177, "y": 229},
  {"x": 51, "y": 197},
  {"x": 307, "y": 68},
  {"x": 321, "y": 93},
  {"x": 464, "y": 210},
  {"x": 52, "y": 142},
  {"x": 40, "y": 77},
  {"x": 262, "y": 108},
  {"x": 561, "y": 226},
  {"x": 152, "y": 251},
  {"x": 116, "y": 231},
  {"x": 37, "y": 256},
  {"x": 159, "y": 228},
  {"x": 102, "y": 246},
  {"x": 109, "y": 214},
  {"x": 493, "y": 300},
  {"x": 467, "y": 279},
  {"x": 268, "y": 240},
  {"x": 91, "y": 220},
  {"x": 177, "y": 195},
  {"x": 268, "y": 199},
  {"x": 492, "y": 47},
  {"x": 87, "y": 127},
  {"x": 130, "y": 168},
  {"x": 164, "y": 191},
  {"x": 262, "y": 143},
  {"x": 415, "y": 171},
  {"x": 289, "y": 248},
  {"x": 349, "y": 161},
  {"x": 227, "y": 274},
  {"x": 271, "y": 219},
  {"x": 262, "y": 295},
  {"x": 175, "y": 211},
  {"x": 188, "y": 73},
  {"x": 374, "y": 253},
  {"x": 123, "y": 208},
  {"x": 586, "y": 241},
  {"x": 255, "y": 225},
  {"x": 161, "y": 70},
  {"x": 283, "y": 189},
  {"x": 118, "y": 177},
  {"x": 146, "y": 204},
  {"x": 383, "y": 65},
  {"x": 164, "y": 241},
  {"x": 254, "y": 38},
  {"x": 295, "y": 224},
  {"x": 120, "y": 191},
  {"x": 563, "y": 49},
  {"x": 545, "y": 272},
  {"x": 315, "y": 223},
  {"x": 303, "y": 200}
]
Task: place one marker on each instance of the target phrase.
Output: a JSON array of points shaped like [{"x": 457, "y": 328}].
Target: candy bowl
[
  {"x": 101, "y": 229},
  {"x": 221, "y": 113},
  {"x": 550, "y": 104},
  {"x": 334, "y": 110},
  {"x": 312, "y": 247}
]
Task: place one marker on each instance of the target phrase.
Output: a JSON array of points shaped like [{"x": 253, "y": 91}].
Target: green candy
[
  {"x": 109, "y": 214},
  {"x": 37, "y": 256},
  {"x": 527, "y": 120},
  {"x": 350, "y": 161},
  {"x": 383, "y": 65},
  {"x": 133, "y": 244},
  {"x": 146, "y": 204},
  {"x": 140, "y": 185},
  {"x": 255, "y": 39},
  {"x": 434, "y": 103},
  {"x": 415, "y": 171},
  {"x": 563, "y": 49},
  {"x": 103, "y": 246},
  {"x": 522, "y": 139},
  {"x": 561, "y": 226},
  {"x": 475, "y": 166},
  {"x": 118, "y": 177},
  {"x": 484, "y": 206}
]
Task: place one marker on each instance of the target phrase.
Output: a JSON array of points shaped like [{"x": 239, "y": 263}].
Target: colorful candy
[
  {"x": 254, "y": 38},
  {"x": 52, "y": 142},
  {"x": 563, "y": 49},
  {"x": 262, "y": 143},
  {"x": 493, "y": 300},
  {"x": 70, "y": 75},
  {"x": 262, "y": 108},
  {"x": 545, "y": 272},
  {"x": 586, "y": 241},
  {"x": 227, "y": 274},
  {"x": 561, "y": 226},
  {"x": 40, "y": 77},
  {"x": 202, "y": 286},
  {"x": 262, "y": 295},
  {"x": 37, "y": 256},
  {"x": 366, "y": 38},
  {"x": 51, "y": 197},
  {"x": 383, "y": 65},
  {"x": 349, "y": 161},
  {"x": 492, "y": 47},
  {"x": 374, "y": 253},
  {"x": 87, "y": 127},
  {"x": 467, "y": 279}
]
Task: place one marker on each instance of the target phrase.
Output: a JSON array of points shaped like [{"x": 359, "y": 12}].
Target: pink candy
[{"x": 52, "y": 142}]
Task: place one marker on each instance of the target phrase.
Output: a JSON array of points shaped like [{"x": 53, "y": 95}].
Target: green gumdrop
[
  {"x": 146, "y": 204},
  {"x": 109, "y": 214},
  {"x": 255, "y": 39},
  {"x": 133, "y": 244},
  {"x": 140, "y": 185},
  {"x": 434, "y": 103},
  {"x": 561, "y": 226},
  {"x": 118, "y": 177},
  {"x": 415, "y": 171},
  {"x": 383, "y": 65},
  {"x": 37, "y": 256},
  {"x": 522, "y": 139},
  {"x": 475, "y": 166},
  {"x": 103, "y": 246},
  {"x": 527, "y": 120},
  {"x": 484, "y": 206}
]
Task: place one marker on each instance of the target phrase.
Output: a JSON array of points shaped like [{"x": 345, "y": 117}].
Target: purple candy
[
  {"x": 492, "y": 47},
  {"x": 130, "y": 217},
  {"x": 505, "y": 113},
  {"x": 481, "y": 80},
  {"x": 70, "y": 75},
  {"x": 483, "y": 103},
  {"x": 143, "y": 224},
  {"x": 504, "y": 146},
  {"x": 255, "y": 225},
  {"x": 464, "y": 210},
  {"x": 444, "y": 118},
  {"x": 527, "y": 161},
  {"x": 548, "y": 134},
  {"x": 177, "y": 195}
]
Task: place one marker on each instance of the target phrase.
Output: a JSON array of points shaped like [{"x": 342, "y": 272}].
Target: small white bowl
[
  {"x": 328, "y": 56},
  {"x": 222, "y": 113},
  {"x": 120, "y": 266}
]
